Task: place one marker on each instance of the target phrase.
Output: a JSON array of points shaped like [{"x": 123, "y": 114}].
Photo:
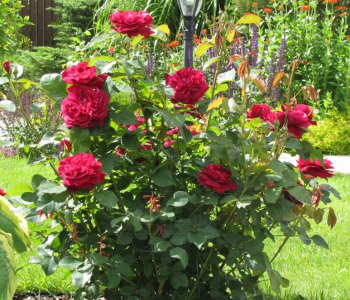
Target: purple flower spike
[{"x": 254, "y": 46}]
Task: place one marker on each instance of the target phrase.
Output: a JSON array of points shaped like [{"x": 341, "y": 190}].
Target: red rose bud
[
  {"x": 66, "y": 146},
  {"x": 7, "y": 66},
  {"x": 81, "y": 171},
  {"x": 216, "y": 177},
  {"x": 132, "y": 23},
  {"x": 315, "y": 169},
  {"x": 261, "y": 111},
  {"x": 2, "y": 192},
  {"x": 189, "y": 85}
]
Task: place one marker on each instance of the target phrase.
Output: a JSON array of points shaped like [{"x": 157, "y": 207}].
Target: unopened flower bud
[
  {"x": 254, "y": 138},
  {"x": 7, "y": 66}
]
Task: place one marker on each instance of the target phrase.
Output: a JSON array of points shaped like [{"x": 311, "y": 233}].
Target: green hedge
[{"x": 331, "y": 135}]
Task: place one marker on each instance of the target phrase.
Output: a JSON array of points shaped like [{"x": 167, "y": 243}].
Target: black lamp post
[{"x": 189, "y": 10}]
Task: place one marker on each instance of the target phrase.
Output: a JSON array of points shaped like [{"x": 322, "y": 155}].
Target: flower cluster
[
  {"x": 86, "y": 103},
  {"x": 297, "y": 119}
]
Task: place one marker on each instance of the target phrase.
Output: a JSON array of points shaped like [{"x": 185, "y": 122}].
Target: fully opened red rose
[
  {"x": 84, "y": 107},
  {"x": 132, "y": 23},
  {"x": 315, "y": 169},
  {"x": 216, "y": 177},
  {"x": 82, "y": 74},
  {"x": 81, "y": 171},
  {"x": 298, "y": 119},
  {"x": 189, "y": 85},
  {"x": 261, "y": 111}
]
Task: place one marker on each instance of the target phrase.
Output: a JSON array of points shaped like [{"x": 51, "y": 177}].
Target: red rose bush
[{"x": 174, "y": 179}]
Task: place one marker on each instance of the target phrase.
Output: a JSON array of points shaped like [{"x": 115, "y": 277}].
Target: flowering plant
[{"x": 172, "y": 195}]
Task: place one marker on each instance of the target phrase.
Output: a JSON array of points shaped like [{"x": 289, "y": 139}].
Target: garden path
[{"x": 341, "y": 163}]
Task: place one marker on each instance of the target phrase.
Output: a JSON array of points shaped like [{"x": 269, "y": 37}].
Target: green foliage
[
  {"x": 10, "y": 24},
  {"x": 331, "y": 135},
  {"x": 75, "y": 18},
  {"x": 12, "y": 237},
  {"x": 40, "y": 61}
]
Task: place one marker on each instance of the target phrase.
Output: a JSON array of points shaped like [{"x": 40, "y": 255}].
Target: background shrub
[{"x": 331, "y": 135}]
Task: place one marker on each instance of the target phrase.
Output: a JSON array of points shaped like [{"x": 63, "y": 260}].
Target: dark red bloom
[
  {"x": 81, "y": 171},
  {"x": 189, "y": 85},
  {"x": 84, "y": 107},
  {"x": 132, "y": 23},
  {"x": 2, "y": 192},
  {"x": 261, "y": 111},
  {"x": 7, "y": 66},
  {"x": 82, "y": 74},
  {"x": 120, "y": 152},
  {"x": 66, "y": 145},
  {"x": 216, "y": 177},
  {"x": 314, "y": 168},
  {"x": 298, "y": 119}
]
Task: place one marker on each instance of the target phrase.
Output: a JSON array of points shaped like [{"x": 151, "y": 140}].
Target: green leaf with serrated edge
[
  {"x": 80, "y": 139},
  {"x": 318, "y": 215},
  {"x": 97, "y": 259},
  {"x": 319, "y": 241},
  {"x": 131, "y": 141},
  {"x": 47, "y": 204},
  {"x": 277, "y": 166},
  {"x": 70, "y": 262},
  {"x": 178, "y": 279},
  {"x": 124, "y": 269},
  {"x": 275, "y": 280},
  {"x": 161, "y": 245},
  {"x": 276, "y": 211},
  {"x": 80, "y": 278},
  {"x": 107, "y": 198},
  {"x": 227, "y": 76},
  {"x": 181, "y": 254},
  {"x": 292, "y": 144},
  {"x": 124, "y": 238},
  {"x": 227, "y": 199},
  {"x": 179, "y": 239},
  {"x": 272, "y": 194},
  {"x": 124, "y": 117},
  {"x": 231, "y": 257},
  {"x": 178, "y": 199},
  {"x": 316, "y": 153},
  {"x": 329, "y": 188},
  {"x": 113, "y": 278},
  {"x": 162, "y": 177},
  {"x": 253, "y": 247},
  {"x": 49, "y": 264},
  {"x": 198, "y": 239},
  {"x": 172, "y": 119},
  {"x": 51, "y": 187},
  {"x": 9, "y": 223},
  {"x": 8, "y": 282},
  {"x": 185, "y": 134},
  {"x": 274, "y": 177},
  {"x": 36, "y": 180},
  {"x": 19, "y": 189},
  {"x": 211, "y": 61},
  {"x": 48, "y": 138},
  {"x": 301, "y": 194},
  {"x": 255, "y": 261},
  {"x": 289, "y": 216},
  {"x": 54, "y": 86},
  {"x": 8, "y": 105}
]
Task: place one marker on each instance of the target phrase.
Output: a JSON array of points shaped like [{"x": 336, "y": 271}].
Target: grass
[
  {"x": 314, "y": 273},
  {"x": 31, "y": 278}
]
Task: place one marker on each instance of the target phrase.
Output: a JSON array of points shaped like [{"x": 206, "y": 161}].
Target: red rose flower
[
  {"x": 66, "y": 145},
  {"x": 298, "y": 119},
  {"x": 7, "y": 66},
  {"x": 120, "y": 152},
  {"x": 82, "y": 74},
  {"x": 307, "y": 110},
  {"x": 261, "y": 111},
  {"x": 189, "y": 85},
  {"x": 216, "y": 177},
  {"x": 315, "y": 169},
  {"x": 81, "y": 171},
  {"x": 2, "y": 192},
  {"x": 132, "y": 23},
  {"x": 84, "y": 107}
]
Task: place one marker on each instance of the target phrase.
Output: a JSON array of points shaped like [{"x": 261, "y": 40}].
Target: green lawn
[{"x": 314, "y": 273}]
